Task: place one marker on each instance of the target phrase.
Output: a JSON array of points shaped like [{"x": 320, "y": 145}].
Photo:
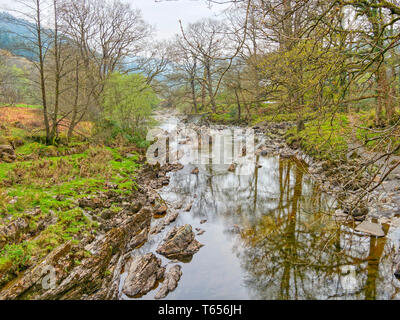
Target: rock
[
  {"x": 360, "y": 211},
  {"x": 397, "y": 273},
  {"x": 160, "y": 210},
  {"x": 94, "y": 203},
  {"x": 201, "y": 232},
  {"x": 371, "y": 228},
  {"x": 6, "y": 149},
  {"x": 13, "y": 232},
  {"x": 60, "y": 197},
  {"x": 189, "y": 207},
  {"x": 35, "y": 275},
  {"x": 195, "y": 171},
  {"x": 203, "y": 221},
  {"x": 170, "y": 283},
  {"x": 178, "y": 205},
  {"x": 180, "y": 243},
  {"x": 171, "y": 217},
  {"x": 88, "y": 277},
  {"x": 108, "y": 214},
  {"x": 144, "y": 271},
  {"x": 232, "y": 168},
  {"x": 134, "y": 208},
  {"x": 138, "y": 239}
]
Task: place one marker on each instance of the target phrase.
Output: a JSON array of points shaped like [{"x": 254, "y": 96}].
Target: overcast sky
[{"x": 163, "y": 15}]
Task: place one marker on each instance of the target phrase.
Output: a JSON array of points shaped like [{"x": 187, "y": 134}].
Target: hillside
[{"x": 15, "y": 35}]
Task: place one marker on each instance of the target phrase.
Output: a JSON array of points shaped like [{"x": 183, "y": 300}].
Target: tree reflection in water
[
  {"x": 289, "y": 246},
  {"x": 297, "y": 251}
]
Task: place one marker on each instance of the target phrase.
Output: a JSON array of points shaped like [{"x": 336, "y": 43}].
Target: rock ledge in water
[
  {"x": 170, "y": 283},
  {"x": 143, "y": 274},
  {"x": 180, "y": 243}
]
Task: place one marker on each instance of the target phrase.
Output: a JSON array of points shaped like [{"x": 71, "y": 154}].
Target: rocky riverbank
[
  {"x": 92, "y": 268},
  {"x": 338, "y": 178},
  {"x": 102, "y": 257}
]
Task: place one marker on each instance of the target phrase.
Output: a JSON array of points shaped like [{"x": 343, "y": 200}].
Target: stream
[{"x": 270, "y": 234}]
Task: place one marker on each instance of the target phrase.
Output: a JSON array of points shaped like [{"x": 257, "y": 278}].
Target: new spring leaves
[{"x": 204, "y": 146}]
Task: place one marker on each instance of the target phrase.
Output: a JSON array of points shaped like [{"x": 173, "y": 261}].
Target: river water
[{"x": 270, "y": 234}]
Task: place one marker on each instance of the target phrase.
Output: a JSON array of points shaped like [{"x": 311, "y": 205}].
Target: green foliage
[
  {"x": 323, "y": 140},
  {"x": 14, "y": 85},
  {"x": 15, "y": 256},
  {"x": 128, "y": 102}
]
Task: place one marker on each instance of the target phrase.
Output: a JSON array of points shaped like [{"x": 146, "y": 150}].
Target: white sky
[{"x": 163, "y": 15}]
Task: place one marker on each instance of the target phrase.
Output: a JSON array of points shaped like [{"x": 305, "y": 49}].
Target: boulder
[
  {"x": 371, "y": 228},
  {"x": 143, "y": 274},
  {"x": 232, "y": 168},
  {"x": 170, "y": 283},
  {"x": 180, "y": 243},
  {"x": 195, "y": 171}
]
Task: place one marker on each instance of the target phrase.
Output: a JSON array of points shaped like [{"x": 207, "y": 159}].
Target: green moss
[
  {"x": 87, "y": 173},
  {"x": 325, "y": 140}
]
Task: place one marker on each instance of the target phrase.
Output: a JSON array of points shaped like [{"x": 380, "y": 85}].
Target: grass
[
  {"x": 376, "y": 139},
  {"x": 52, "y": 181},
  {"x": 323, "y": 140},
  {"x": 29, "y": 106}
]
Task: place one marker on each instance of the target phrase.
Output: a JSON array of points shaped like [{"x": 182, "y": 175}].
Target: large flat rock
[
  {"x": 371, "y": 228},
  {"x": 180, "y": 243}
]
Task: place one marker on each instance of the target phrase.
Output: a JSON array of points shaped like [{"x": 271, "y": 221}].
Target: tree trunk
[
  {"x": 41, "y": 71},
  {"x": 210, "y": 89},
  {"x": 75, "y": 107},
  {"x": 238, "y": 105},
  {"x": 382, "y": 91}
]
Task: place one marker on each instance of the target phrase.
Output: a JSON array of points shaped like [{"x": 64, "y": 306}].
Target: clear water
[{"x": 271, "y": 235}]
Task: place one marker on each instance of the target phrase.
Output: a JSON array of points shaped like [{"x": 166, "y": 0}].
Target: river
[{"x": 271, "y": 234}]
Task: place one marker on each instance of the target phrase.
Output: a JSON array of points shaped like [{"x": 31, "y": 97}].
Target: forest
[{"x": 83, "y": 83}]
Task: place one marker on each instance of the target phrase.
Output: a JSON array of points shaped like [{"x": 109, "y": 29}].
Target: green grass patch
[{"x": 323, "y": 140}]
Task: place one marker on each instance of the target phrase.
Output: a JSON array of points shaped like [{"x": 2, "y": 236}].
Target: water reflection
[
  {"x": 270, "y": 235},
  {"x": 296, "y": 251}
]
